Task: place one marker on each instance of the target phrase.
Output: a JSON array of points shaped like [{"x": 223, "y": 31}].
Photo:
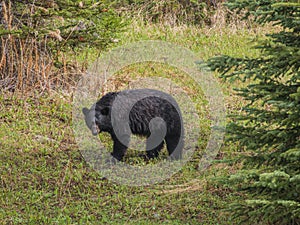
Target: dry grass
[
  {"x": 26, "y": 64},
  {"x": 177, "y": 14}
]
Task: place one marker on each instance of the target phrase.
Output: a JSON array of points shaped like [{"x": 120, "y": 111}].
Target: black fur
[{"x": 110, "y": 114}]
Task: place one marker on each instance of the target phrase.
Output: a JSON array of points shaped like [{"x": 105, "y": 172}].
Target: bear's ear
[
  {"x": 85, "y": 111},
  {"x": 104, "y": 111}
]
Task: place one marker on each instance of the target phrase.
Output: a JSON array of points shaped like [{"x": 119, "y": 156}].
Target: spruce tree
[
  {"x": 36, "y": 34},
  {"x": 268, "y": 129}
]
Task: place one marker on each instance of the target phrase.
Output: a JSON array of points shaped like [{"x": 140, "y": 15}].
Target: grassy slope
[{"x": 44, "y": 179}]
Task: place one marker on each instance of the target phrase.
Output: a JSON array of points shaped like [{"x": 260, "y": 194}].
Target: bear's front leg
[{"x": 120, "y": 146}]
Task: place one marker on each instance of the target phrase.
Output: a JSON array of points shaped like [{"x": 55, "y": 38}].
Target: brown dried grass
[{"x": 26, "y": 63}]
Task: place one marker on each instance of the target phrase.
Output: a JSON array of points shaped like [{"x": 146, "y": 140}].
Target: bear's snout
[{"x": 95, "y": 130}]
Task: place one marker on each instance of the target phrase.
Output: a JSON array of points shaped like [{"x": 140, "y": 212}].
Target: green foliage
[
  {"x": 70, "y": 23},
  {"x": 35, "y": 35},
  {"x": 269, "y": 126}
]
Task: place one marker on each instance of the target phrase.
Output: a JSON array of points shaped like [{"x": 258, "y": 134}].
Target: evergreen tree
[
  {"x": 269, "y": 126},
  {"x": 36, "y": 34},
  {"x": 71, "y": 23}
]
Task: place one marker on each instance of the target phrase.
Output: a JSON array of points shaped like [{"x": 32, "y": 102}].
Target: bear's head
[
  {"x": 90, "y": 119},
  {"x": 98, "y": 119}
]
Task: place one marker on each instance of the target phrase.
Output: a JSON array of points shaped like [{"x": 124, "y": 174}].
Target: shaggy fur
[{"x": 144, "y": 112}]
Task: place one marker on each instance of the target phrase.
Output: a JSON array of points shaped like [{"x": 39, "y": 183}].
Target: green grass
[{"x": 45, "y": 180}]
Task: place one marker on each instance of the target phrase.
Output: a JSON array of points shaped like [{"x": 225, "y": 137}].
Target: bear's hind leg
[{"x": 175, "y": 146}]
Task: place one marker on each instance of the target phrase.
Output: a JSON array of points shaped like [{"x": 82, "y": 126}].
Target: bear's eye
[{"x": 104, "y": 111}]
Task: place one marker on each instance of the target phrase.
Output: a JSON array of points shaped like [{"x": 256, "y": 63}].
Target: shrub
[{"x": 37, "y": 36}]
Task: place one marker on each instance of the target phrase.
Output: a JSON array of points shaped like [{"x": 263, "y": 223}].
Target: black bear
[{"x": 146, "y": 112}]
